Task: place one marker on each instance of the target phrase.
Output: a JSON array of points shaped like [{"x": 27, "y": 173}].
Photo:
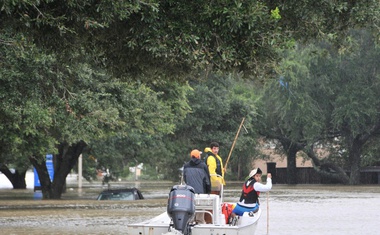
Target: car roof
[
  {"x": 133, "y": 191},
  {"x": 117, "y": 190}
]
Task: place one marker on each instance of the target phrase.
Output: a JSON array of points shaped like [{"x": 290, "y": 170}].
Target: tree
[
  {"x": 170, "y": 106},
  {"x": 158, "y": 37},
  {"x": 353, "y": 111},
  {"x": 307, "y": 20},
  {"x": 146, "y": 113},
  {"x": 63, "y": 44},
  {"x": 17, "y": 178},
  {"x": 325, "y": 96},
  {"x": 218, "y": 105},
  {"x": 24, "y": 120},
  {"x": 153, "y": 37},
  {"x": 70, "y": 105},
  {"x": 132, "y": 41}
]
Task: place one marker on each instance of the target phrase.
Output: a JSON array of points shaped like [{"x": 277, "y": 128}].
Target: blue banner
[{"x": 50, "y": 169}]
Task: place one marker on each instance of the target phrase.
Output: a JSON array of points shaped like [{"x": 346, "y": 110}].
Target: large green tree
[
  {"x": 24, "y": 117},
  {"x": 62, "y": 49},
  {"x": 57, "y": 107},
  {"x": 351, "y": 85},
  {"x": 70, "y": 56},
  {"x": 331, "y": 98},
  {"x": 152, "y": 37}
]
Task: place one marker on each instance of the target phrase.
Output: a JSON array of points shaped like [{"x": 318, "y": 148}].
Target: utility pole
[{"x": 80, "y": 163}]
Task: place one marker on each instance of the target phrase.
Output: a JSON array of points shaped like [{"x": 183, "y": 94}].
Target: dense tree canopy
[
  {"x": 218, "y": 106},
  {"x": 325, "y": 19},
  {"x": 47, "y": 101},
  {"x": 151, "y": 37},
  {"x": 326, "y": 97},
  {"x": 172, "y": 37},
  {"x": 80, "y": 72}
]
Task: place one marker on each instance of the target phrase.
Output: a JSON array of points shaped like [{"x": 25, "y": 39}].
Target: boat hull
[{"x": 246, "y": 225}]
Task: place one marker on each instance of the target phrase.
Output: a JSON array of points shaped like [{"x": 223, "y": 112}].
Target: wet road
[{"x": 293, "y": 210}]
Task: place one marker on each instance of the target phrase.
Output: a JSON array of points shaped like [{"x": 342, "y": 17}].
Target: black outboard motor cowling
[{"x": 181, "y": 206}]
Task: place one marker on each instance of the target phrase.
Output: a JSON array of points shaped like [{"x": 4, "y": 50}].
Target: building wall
[
  {"x": 280, "y": 160},
  {"x": 305, "y": 172}
]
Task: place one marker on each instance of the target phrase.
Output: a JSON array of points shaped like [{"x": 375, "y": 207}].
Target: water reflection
[
  {"x": 37, "y": 195},
  {"x": 293, "y": 210}
]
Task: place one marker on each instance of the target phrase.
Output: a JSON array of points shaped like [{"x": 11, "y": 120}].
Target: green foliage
[
  {"x": 104, "y": 72},
  {"x": 324, "y": 96},
  {"x": 370, "y": 155},
  {"x": 153, "y": 37},
  {"x": 24, "y": 119},
  {"x": 150, "y": 115},
  {"x": 47, "y": 101},
  {"x": 217, "y": 108},
  {"x": 276, "y": 13},
  {"x": 307, "y": 20}
]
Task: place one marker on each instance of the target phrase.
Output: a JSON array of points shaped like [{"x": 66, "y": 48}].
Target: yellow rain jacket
[{"x": 215, "y": 167}]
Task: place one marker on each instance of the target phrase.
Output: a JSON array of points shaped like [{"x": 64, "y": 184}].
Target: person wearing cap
[
  {"x": 196, "y": 174},
  {"x": 249, "y": 199}
]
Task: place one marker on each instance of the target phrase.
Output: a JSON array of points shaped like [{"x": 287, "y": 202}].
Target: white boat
[{"x": 182, "y": 207}]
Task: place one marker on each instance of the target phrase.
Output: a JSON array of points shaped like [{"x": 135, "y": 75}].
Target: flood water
[{"x": 293, "y": 210}]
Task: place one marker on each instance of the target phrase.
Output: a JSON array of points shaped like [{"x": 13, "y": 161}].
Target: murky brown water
[{"x": 293, "y": 210}]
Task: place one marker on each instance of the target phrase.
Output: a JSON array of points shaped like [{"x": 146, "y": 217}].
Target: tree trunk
[
  {"x": 326, "y": 169},
  {"x": 292, "y": 165},
  {"x": 355, "y": 161},
  {"x": 18, "y": 181},
  {"x": 39, "y": 164},
  {"x": 64, "y": 162},
  {"x": 17, "y": 178},
  {"x": 291, "y": 150}
]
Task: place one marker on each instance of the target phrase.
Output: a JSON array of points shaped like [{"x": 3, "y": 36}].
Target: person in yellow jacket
[{"x": 215, "y": 166}]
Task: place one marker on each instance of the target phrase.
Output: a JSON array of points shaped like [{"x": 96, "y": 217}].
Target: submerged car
[{"x": 125, "y": 194}]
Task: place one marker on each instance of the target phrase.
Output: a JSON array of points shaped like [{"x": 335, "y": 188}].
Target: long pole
[
  {"x": 267, "y": 213},
  {"x": 233, "y": 144}
]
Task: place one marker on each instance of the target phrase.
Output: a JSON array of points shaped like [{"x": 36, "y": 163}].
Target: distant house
[
  {"x": 268, "y": 149},
  {"x": 305, "y": 172}
]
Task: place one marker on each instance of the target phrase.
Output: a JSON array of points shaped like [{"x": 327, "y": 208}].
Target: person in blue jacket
[{"x": 196, "y": 174}]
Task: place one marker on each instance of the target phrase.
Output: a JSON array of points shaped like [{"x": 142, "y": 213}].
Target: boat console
[{"x": 210, "y": 204}]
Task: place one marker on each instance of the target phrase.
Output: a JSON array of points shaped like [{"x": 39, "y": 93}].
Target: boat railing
[{"x": 220, "y": 187}]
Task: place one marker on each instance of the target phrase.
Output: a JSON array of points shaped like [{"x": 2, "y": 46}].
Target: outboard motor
[{"x": 181, "y": 206}]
